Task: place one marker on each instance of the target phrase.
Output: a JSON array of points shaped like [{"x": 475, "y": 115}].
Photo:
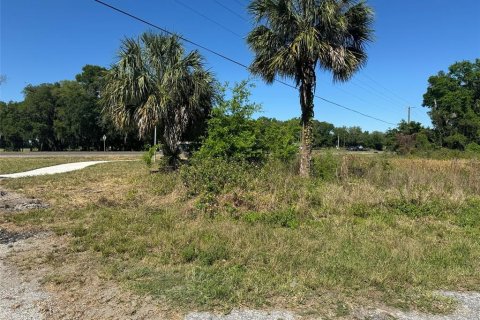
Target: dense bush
[
  {"x": 325, "y": 166},
  {"x": 232, "y": 133},
  {"x": 473, "y": 148},
  {"x": 213, "y": 175}
]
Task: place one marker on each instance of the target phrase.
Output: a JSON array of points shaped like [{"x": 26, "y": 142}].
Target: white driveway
[{"x": 61, "y": 168}]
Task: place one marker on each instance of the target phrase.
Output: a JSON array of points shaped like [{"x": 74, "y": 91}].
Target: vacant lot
[{"x": 363, "y": 231}]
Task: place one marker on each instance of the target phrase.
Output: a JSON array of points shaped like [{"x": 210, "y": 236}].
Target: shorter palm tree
[{"x": 154, "y": 83}]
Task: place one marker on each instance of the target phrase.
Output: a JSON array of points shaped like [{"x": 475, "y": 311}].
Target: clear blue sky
[{"x": 50, "y": 40}]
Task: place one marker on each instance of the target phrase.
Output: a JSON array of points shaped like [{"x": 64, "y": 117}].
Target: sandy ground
[
  {"x": 12, "y": 201},
  {"x": 41, "y": 279},
  {"x": 19, "y": 297}
]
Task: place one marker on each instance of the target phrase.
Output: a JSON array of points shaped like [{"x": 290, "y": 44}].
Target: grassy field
[{"x": 362, "y": 231}]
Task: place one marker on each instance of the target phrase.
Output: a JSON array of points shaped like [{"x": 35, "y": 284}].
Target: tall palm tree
[
  {"x": 154, "y": 83},
  {"x": 292, "y": 37}
]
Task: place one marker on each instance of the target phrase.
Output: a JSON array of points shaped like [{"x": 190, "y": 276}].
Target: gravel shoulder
[
  {"x": 468, "y": 308},
  {"x": 19, "y": 297}
]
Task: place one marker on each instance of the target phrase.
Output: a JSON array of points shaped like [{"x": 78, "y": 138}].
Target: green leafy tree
[
  {"x": 323, "y": 134},
  {"x": 355, "y": 137},
  {"x": 454, "y": 101},
  {"x": 155, "y": 83},
  {"x": 293, "y": 37},
  {"x": 279, "y": 138},
  {"x": 376, "y": 140},
  {"x": 13, "y": 126},
  {"x": 232, "y": 133},
  {"x": 77, "y": 116},
  {"x": 409, "y": 137},
  {"x": 92, "y": 78},
  {"x": 40, "y": 105}
]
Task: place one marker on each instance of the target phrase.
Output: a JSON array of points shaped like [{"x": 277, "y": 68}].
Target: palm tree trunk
[{"x": 306, "y": 102}]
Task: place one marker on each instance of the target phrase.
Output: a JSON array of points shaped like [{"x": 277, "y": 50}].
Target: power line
[
  {"x": 224, "y": 27},
  {"x": 172, "y": 34},
  {"x": 230, "y": 59},
  {"x": 207, "y": 18},
  {"x": 337, "y": 104},
  {"x": 364, "y": 100},
  {"x": 367, "y": 87},
  {"x": 240, "y": 3},
  {"x": 385, "y": 88},
  {"x": 231, "y": 10}
]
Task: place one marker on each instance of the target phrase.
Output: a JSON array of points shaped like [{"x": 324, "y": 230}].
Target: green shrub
[
  {"x": 148, "y": 155},
  {"x": 325, "y": 166},
  {"x": 456, "y": 141},
  {"x": 213, "y": 175},
  {"x": 473, "y": 148},
  {"x": 414, "y": 209},
  {"x": 279, "y": 139},
  {"x": 232, "y": 133}
]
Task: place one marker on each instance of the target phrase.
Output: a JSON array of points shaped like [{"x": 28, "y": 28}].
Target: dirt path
[{"x": 71, "y": 154}]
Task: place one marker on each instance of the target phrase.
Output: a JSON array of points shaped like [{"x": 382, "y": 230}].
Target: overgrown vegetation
[{"x": 224, "y": 234}]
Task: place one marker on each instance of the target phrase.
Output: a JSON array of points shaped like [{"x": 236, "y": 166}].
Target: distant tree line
[{"x": 65, "y": 115}]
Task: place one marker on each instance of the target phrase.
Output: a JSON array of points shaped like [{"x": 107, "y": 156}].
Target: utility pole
[
  {"x": 155, "y": 144},
  {"x": 104, "y": 138},
  {"x": 338, "y": 141},
  {"x": 409, "y": 110}
]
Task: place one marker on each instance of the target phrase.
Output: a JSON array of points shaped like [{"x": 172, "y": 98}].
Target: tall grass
[{"x": 219, "y": 235}]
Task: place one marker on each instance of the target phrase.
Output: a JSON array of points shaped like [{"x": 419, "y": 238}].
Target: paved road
[{"x": 56, "y": 154}]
